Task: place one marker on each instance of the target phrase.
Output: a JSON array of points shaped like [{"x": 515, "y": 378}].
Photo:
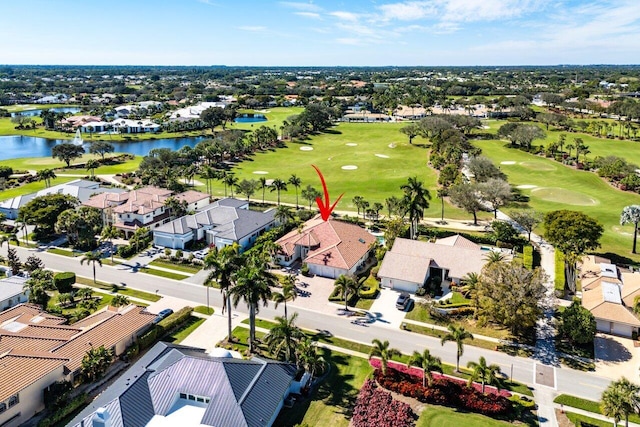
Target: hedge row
[
  {"x": 370, "y": 288},
  {"x": 164, "y": 327},
  {"x": 527, "y": 257},
  {"x": 560, "y": 280},
  {"x": 65, "y": 411}
]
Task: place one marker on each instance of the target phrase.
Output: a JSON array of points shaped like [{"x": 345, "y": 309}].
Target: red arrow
[{"x": 325, "y": 209}]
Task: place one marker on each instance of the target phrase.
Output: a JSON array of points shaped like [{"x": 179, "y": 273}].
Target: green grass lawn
[
  {"x": 183, "y": 332},
  {"x": 38, "y": 163},
  {"x": 63, "y": 252},
  {"x": 562, "y": 187},
  {"x": 162, "y": 273},
  {"x": 587, "y": 405},
  {"x": 121, "y": 289},
  {"x": 202, "y": 309},
  {"x": 442, "y": 416},
  {"x": 31, "y": 187},
  {"x": 581, "y": 420},
  {"x": 185, "y": 268}
]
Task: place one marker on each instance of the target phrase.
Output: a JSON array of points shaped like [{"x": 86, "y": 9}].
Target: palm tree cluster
[{"x": 621, "y": 399}]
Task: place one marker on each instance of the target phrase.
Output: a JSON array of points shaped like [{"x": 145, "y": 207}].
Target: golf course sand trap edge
[
  {"x": 305, "y": 148},
  {"x": 392, "y": 145},
  {"x": 349, "y": 167},
  {"x": 562, "y": 195},
  {"x": 351, "y": 144},
  {"x": 382, "y": 156},
  {"x": 526, "y": 186},
  {"x": 508, "y": 162},
  {"x": 260, "y": 172}
]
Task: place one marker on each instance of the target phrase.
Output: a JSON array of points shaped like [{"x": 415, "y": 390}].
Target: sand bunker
[
  {"x": 382, "y": 156},
  {"x": 508, "y": 162},
  {"x": 392, "y": 145},
  {"x": 260, "y": 172},
  {"x": 305, "y": 148},
  {"x": 562, "y": 195},
  {"x": 351, "y": 144},
  {"x": 349, "y": 167},
  {"x": 526, "y": 186}
]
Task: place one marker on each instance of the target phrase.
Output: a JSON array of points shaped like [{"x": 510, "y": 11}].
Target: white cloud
[
  {"x": 208, "y": 2},
  {"x": 349, "y": 41},
  {"x": 486, "y": 10},
  {"x": 312, "y": 15},
  {"x": 256, "y": 28},
  {"x": 408, "y": 11},
  {"x": 308, "y": 7},
  {"x": 345, "y": 16}
]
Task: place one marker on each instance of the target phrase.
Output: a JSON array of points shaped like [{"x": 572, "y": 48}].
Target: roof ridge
[{"x": 253, "y": 382}]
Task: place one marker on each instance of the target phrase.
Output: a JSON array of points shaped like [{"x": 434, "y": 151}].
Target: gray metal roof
[
  {"x": 11, "y": 286},
  {"x": 241, "y": 392}
]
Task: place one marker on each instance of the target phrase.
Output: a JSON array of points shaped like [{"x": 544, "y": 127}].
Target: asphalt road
[{"x": 583, "y": 384}]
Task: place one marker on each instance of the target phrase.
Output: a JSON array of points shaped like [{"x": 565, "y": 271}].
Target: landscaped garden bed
[{"x": 376, "y": 407}]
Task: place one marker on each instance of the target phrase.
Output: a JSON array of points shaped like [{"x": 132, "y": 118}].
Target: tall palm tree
[
  {"x": 224, "y": 263},
  {"x": 92, "y": 165},
  {"x": 289, "y": 293},
  {"x": 620, "y": 399},
  {"x": 494, "y": 257},
  {"x": 253, "y": 285},
  {"x": 263, "y": 183},
  {"x": 109, "y": 232},
  {"x": 457, "y": 334},
  {"x": 283, "y": 338},
  {"x": 284, "y": 215},
  {"x": 381, "y": 349},
  {"x": 416, "y": 200},
  {"x": 307, "y": 356},
  {"x": 486, "y": 374},
  {"x": 278, "y": 185},
  {"x": 229, "y": 180},
  {"x": 345, "y": 285},
  {"x": 296, "y": 182},
  {"x": 11, "y": 237},
  {"x": 357, "y": 202},
  {"x": 92, "y": 258},
  {"x": 441, "y": 193},
  {"x": 46, "y": 175},
  {"x": 631, "y": 215},
  {"x": 470, "y": 290},
  {"x": 428, "y": 363}
]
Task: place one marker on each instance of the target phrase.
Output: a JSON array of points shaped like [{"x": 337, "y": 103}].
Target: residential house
[
  {"x": 410, "y": 263},
  {"x": 13, "y": 292},
  {"x": 80, "y": 188},
  {"x": 179, "y": 385},
  {"x": 37, "y": 349},
  {"x": 221, "y": 223},
  {"x": 194, "y": 111},
  {"x": 329, "y": 248},
  {"x": 610, "y": 293},
  {"x": 121, "y": 125},
  {"x": 406, "y": 112},
  {"x": 144, "y": 207}
]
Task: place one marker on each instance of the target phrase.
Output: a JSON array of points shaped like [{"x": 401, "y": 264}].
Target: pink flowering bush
[{"x": 376, "y": 407}]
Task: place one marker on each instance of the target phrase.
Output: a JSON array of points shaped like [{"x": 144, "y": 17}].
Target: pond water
[
  {"x": 17, "y": 146},
  {"x": 250, "y": 118},
  {"x": 31, "y": 113}
]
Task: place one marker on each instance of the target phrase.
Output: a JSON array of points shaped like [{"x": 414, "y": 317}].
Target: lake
[
  {"x": 17, "y": 146},
  {"x": 32, "y": 113}
]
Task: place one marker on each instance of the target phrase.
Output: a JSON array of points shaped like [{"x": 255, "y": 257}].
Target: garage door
[
  {"x": 163, "y": 241},
  {"x": 400, "y": 285},
  {"x": 603, "y": 326},
  {"x": 622, "y": 330}
]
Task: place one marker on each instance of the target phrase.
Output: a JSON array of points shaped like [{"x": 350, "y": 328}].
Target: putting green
[
  {"x": 538, "y": 166},
  {"x": 564, "y": 196}
]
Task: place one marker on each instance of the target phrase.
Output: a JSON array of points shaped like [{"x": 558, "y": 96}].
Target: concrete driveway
[
  {"x": 615, "y": 357},
  {"x": 384, "y": 309}
]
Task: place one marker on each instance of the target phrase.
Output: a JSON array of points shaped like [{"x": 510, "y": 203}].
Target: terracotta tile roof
[
  {"x": 19, "y": 343},
  {"x": 333, "y": 243},
  {"x": 29, "y": 313},
  {"x": 192, "y": 196},
  {"x": 106, "y": 200},
  {"x": 30, "y": 369},
  {"x": 616, "y": 308}
]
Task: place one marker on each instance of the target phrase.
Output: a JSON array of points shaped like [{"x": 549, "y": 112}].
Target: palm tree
[
  {"x": 263, "y": 183},
  {"x": 92, "y": 165},
  {"x": 46, "y": 175},
  {"x": 486, "y": 374},
  {"x": 85, "y": 293},
  {"x": 357, "y": 202},
  {"x": 308, "y": 357},
  {"x": 381, "y": 349},
  {"x": 278, "y": 185},
  {"x": 428, "y": 363},
  {"x": 93, "y": 258},
  {"x": 284, "y": 215},
  {"x": 119, "y": 301},
  {"x": 283, "y": 338},
  {"x": 289, "y": 293},
  {"x": 457, "y": 334},
  {"x": 11, "y": 237},
  {"x": 95, "y": 362},
  {"x": 296, "y": 182},
  {"x": 441, "y": 193},
  {"x": 494, "y": 257},
  {"x": 253, "y": 285},
  {"x": 470, "y": 289},
  {"x": 223, "y": 263},
  {"x": 631, "y": 215},
  {"x": 109, "y": 232},
  {"x": 229, "y": 180},
  {"x": 416, "y": 200},
  {"x": 346, "y": 285},
  {"x": 620, "y": 399}
]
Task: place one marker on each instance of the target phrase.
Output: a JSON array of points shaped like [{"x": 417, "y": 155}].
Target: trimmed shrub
[
  {"x": 560, "y": 280},
  {"x": 527, "y": 257},
  {"x": 65, "y": 411},
  {"x": 369, "y": 289},
  {"x": 174, "y": 320},
  {"x": 147, "y": 339},
  {"x": 64, "y": 281}
]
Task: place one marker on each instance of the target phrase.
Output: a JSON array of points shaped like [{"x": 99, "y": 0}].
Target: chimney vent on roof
[{"x": 101, "y": 418}]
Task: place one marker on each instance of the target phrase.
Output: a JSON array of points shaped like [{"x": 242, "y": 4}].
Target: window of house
[
  {"x": 183, "y": 395},
  {"x": 13, "y": 400},
  {"x": 3, "y": 407}
]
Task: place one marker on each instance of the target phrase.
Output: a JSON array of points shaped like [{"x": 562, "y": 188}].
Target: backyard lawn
[{"x": 442, "y": 416}]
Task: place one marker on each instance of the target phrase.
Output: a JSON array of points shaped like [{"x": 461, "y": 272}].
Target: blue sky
[{"x": 304, "y": 33}]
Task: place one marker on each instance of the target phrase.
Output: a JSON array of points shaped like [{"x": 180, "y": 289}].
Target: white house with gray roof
[
  {"x": 221, "y": 223},
  {"x": 174, "y": 385},
  {"x": 12, "y": 292}
]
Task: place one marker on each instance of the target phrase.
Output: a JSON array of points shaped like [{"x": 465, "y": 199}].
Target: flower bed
[
  {"x": 444, "y": 391},
  {"x": 376, "y": 407},
  {"x": 417, "y": 372}
]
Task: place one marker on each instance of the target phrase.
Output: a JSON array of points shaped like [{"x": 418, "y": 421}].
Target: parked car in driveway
[
  {"x": 403, "y": 301},
  {"x": 163, "y": 315}
]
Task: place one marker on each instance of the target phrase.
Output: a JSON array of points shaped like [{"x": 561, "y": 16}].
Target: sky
[{"x": 320, "y": 33}]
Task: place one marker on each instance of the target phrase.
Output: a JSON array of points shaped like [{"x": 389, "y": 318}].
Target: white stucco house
[
  {"x": 220, "y": 224},
  {"x": 12, "y": 292}
]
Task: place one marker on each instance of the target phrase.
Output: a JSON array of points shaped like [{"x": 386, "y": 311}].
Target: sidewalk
[{"x": 591, "y": 414}]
